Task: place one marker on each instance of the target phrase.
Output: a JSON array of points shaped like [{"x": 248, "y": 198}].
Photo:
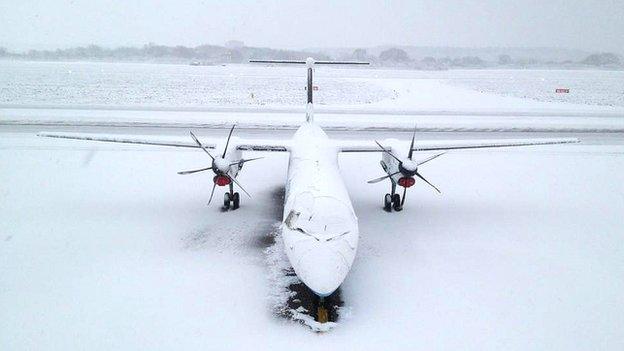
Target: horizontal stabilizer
[{"x": 315, "y": 62}]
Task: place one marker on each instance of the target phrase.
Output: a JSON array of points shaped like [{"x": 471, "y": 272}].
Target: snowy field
[
  {"x": 586, "y": 86},
  {"x": 162, "y": 85},
  {"x": 105, "y": 247}
]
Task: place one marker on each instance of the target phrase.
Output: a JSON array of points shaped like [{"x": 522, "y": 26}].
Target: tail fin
[{"x": 310, "y": 62}]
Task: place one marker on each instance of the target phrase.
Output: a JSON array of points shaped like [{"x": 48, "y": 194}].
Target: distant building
[{"x": 234, "y": 44}]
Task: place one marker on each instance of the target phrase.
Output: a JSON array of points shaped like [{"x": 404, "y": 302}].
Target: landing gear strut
[
  {"x": 231, "y": 199},
  {"x": 393, "y": 200}
]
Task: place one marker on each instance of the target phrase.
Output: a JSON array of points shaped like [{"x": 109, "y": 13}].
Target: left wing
[
  {"x": 436, "y": 145},
  {"x": 262, "y": 146},
  {"x": 123, "y": 139},
  {"x": 241, "y": 144}
]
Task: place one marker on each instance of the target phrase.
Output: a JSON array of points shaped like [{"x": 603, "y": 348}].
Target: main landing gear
[
  {"x": 231, "y": 199},
  {"x": 393, "y": 200}
]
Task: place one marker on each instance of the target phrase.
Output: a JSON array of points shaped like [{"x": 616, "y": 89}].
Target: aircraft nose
[{"x": 323, "y": 270}]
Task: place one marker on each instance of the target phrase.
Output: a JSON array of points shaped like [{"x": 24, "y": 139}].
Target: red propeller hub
[
  {"x": 406, "y": 182},
  {"x": 221, "y": 180}
]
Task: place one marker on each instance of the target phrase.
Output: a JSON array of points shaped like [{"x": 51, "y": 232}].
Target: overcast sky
[{"x": 583, "y": 24}]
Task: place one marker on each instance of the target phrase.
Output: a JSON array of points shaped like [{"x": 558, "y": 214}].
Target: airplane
[{"x": 320, "y": 228}]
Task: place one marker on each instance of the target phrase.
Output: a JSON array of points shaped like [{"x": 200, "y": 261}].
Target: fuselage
[{"x": 319, "y": 228}]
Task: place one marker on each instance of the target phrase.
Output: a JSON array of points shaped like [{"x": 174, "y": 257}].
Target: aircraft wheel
[
  {"x": 226, "y": 201},
  {"x": 396, "y": 202},
  {"x": 388, "y": 202},
  {"x": 236, "y": 201}
]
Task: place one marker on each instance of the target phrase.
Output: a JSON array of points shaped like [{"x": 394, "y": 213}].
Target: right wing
[{"x": 437, "y": 145}]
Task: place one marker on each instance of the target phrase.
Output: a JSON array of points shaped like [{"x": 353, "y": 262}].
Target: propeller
[
  {"x": 408, "y": 168},
  {"x": 195, "y": 170},
  {"x": 377, "y": 180},
  {"x": 220, "y": 165}
]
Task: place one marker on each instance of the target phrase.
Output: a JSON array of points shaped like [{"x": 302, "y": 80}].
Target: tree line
[{"x": 215, "y": 54}]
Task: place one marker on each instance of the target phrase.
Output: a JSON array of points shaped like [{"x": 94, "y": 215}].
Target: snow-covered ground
[
  {"x": 106, "y": 247},
  {"x": 432, "y": 104},
  {"x": 71, "y": 84},
  {"x": 113, "y": 250},
  {"x": 593, "y": 87}
]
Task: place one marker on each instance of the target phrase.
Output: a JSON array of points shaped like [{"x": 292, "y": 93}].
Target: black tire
[
  {"x": 388, "y": 202},
  {"x": 236, "y": 201},
  {"x": 226, "y": 201},
  {"x": 396, "y": 202}
]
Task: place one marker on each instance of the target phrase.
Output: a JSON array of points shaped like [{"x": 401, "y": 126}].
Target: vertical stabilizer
[
  {"x": 310, "y": 86},
  {"x": 310, "y": 89}
]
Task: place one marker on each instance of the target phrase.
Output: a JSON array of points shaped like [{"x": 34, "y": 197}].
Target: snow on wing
[
  {"x": 432, "y": 145},
  {"x": 241, "y": 144},
  {"x": 111, "y": 138}
]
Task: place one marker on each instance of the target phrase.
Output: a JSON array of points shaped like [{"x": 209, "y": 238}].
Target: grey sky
[{"x": 590, "y": 25}]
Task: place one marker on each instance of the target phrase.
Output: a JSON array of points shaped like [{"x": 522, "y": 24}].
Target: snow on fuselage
[{"x": 319, "y": 226}]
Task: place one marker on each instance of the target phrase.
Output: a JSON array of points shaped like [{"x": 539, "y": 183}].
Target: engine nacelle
[
  {"x": 406, "y": 182},
  {"x": 221, "y": 180}
]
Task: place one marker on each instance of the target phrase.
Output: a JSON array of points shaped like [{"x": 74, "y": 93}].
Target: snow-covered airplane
[{"x": 320, "y": 228}]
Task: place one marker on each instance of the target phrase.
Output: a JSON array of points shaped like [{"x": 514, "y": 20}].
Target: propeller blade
[
  {"x": 411, "y": 150},
  {"x": 195, "y": 170},
  {"x": 245, "y": 160},
  {"x": 228, "y": 141},
  {"x": 214, "y": 185},
  {"x": 430, "y": 158},
  {"x": 387, "y": 151},
  {"x": 237, "y": 183},
  {"x": 377, "y": 180},
  {"x": 200, "y": 145},
  {"x": 403, "y": 198},
  {"x": 426, "y": 181}
]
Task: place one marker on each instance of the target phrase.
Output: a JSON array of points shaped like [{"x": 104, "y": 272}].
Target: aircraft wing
[
  {"x": 246, "y": 146},
  {"x": 112, "y": 138},
  {"x": 241, "y": 144},
  {"x": 434, "y": 145}
]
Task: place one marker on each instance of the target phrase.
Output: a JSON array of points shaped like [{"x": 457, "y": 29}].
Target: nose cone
[
  {"x": 409, "y": 165},
  {"x": 221, "y": 164},
  {"x": 322, "y": 270}
]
